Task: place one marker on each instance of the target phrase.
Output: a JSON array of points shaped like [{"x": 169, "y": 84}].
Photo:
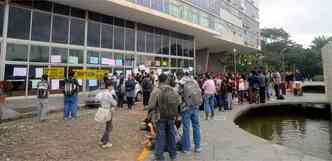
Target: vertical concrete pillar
[{"x": 327, "y": 65}]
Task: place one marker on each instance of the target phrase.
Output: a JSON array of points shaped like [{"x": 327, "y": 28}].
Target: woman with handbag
[{"x": 107, "y": 98}]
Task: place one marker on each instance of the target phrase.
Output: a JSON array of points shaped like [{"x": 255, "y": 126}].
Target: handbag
[{"x": 103, "y": 115}]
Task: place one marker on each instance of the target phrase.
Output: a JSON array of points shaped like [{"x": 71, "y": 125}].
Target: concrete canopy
[{"x": 205, "y": 38}]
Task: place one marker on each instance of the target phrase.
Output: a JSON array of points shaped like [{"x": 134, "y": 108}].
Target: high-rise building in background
[{"x": 119, "y": 36}]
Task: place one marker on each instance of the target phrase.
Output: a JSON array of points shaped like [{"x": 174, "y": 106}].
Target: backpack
[
  {"x": 192, "y": 93},
  {"x": 147, "y": 84},
  {"x": 70, "y": 87},
  {"x": 42, "y": 91},
  {"x": 168, "y": 102}
]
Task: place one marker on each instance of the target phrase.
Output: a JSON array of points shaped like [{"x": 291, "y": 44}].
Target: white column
[{"x": 4, "y": 42}]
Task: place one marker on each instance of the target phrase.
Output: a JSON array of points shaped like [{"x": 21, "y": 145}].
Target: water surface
[{"x": 309, "y": 131}]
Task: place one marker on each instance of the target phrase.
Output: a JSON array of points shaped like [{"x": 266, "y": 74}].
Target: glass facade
[
  {"x": 209, "y": 14},
  {"x": 43, "y": 34}
]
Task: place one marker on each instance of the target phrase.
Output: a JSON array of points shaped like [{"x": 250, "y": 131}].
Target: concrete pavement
[{"x": 223, "y": 140}]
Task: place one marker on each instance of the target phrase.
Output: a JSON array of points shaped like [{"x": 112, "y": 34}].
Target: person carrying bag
[{"x": 107, "y": 98}]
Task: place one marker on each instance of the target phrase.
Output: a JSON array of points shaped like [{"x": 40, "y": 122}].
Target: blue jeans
[
  {"x": 166, "y": 136},
  {"x": 229, "y": 96},
  {"x": 190, "y": 115},
  {"x": 209, "y": 103},
  {"x": 70, "y": 106}
]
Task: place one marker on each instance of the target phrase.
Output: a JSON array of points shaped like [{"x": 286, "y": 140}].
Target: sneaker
[
  {"x": 198, "y": 150},
  {"x": 186, "y": 152},
  {"x": 108, "y": 145}
]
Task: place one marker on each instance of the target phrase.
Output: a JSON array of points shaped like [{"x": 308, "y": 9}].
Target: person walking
[
  {"x": 165, "y": 101},
  {"x": 130, "y": 91},
  {"x": 192, "y": 99},
  {"x": 209, "y": 88},
  {"x": 230, "y": 86},
  {"x": 2, "y": 98},
  {"x": 42, "y": 95},
  {"x": 147, "y": 89},
  {"x": 107, "y": 98},
  {"x": 71, "y": 90},
  {"x": 262, "y": 86}
]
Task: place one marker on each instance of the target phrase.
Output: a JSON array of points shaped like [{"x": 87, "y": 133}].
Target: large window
[
  {"x": 94, "y": 34},
  {"x": 158, "y": 44},
  {"x": 130, "y": 39},
  {"x": 41, "y": 26},
  {"x": 58, "y": 55},
  {"x": 77, "y": 28},
  {"x": 107, "y": 36},
  {"x": 92, "y": 57},
  {"x": 60, "y": 29},
  {"x": 39, "y": 54},
  {"x": 157, "y": 4},
  {"x": 179, "y": 47},
  {"x": 17, "y": 52},
  {"x": 165, "y": 46},
  {"x": 75, "y": 56},
  {"x": 174, "y": 50},
  {"x": 141, "y": 41},
  {"x": 119, "y": 37},
  {"x": 16, "y": 76},
  {"x": 144, "y": 2},
  {"x": 19, "y": 23},
  {"x": 1, "y": 18},
  {"x": 150, "y": 43}
]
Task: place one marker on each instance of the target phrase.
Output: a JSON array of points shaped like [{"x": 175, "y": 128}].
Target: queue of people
[{"x": 173, "y": 101}]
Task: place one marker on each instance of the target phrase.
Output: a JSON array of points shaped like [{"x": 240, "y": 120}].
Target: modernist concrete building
[{"x": 119, "y": 35}]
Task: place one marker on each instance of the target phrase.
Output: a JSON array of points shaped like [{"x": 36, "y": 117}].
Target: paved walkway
[{"x": 222, "y": 140}]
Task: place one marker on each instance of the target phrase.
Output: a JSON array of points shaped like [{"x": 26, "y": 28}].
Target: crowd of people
[{"x": 173, "y": 100}]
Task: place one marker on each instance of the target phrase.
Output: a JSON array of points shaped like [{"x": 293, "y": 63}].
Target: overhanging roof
[{"x": 205, "y": 38}]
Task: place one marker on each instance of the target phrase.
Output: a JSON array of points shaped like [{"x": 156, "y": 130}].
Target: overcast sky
[{"x": 303, "y": 19}]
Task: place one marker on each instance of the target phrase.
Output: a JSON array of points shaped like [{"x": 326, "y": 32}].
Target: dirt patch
[{"x": 73, "y": 140}]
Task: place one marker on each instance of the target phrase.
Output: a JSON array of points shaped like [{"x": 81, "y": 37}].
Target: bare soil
[{"x": 72, "y": 140}]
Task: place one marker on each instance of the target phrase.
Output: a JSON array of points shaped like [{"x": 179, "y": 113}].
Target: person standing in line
[
  {"x": 192, "y": 99},
  {"x": 242, "y": 89},
  {"x": 230, "y": 86},
  {"x": 71, "y": 90},
  {"x": 130, "y": 91},
  {"x": 277, "y": 81},
  {"x": 165, "y": 101},
  {"x": 147, "y": 88},
  {"x": 253, "y": 86},
  {"x": 262, "y": 86},
  {"x": 107, "y": 98},
  {"x": 2, "y": 98},
  {"x": 42, "y": 95},
  {"x": 121, "y": 91},
  {"x": 209, "y": 88}
]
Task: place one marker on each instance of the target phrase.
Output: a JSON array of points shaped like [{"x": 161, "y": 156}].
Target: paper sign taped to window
[
  {"x": 55, "y": 58},
  {"x": 73, "y": 60},
  {"x": 39, "y": 72},
  {"x": 94, "y": 60},
  {"x": 55, "y": 84},
  {"x": 92, "y": 83},
  {"x": 34, "y": 83},
  {"x": 20, "y": 72}
]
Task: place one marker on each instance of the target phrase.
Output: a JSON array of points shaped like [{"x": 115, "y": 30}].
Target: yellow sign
[
  {"x": 55, "y": 73},
  {"x": 90, "y": 74}
]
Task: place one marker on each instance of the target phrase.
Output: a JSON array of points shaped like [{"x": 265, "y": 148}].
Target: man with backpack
[
  {"x": 42, "y": 95},
  {"x": 147, "y": 89},
  {"x": 165, "y": 101},
  {"x": 192, "y": 98},
  {"x": 70, "y": 99}
]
